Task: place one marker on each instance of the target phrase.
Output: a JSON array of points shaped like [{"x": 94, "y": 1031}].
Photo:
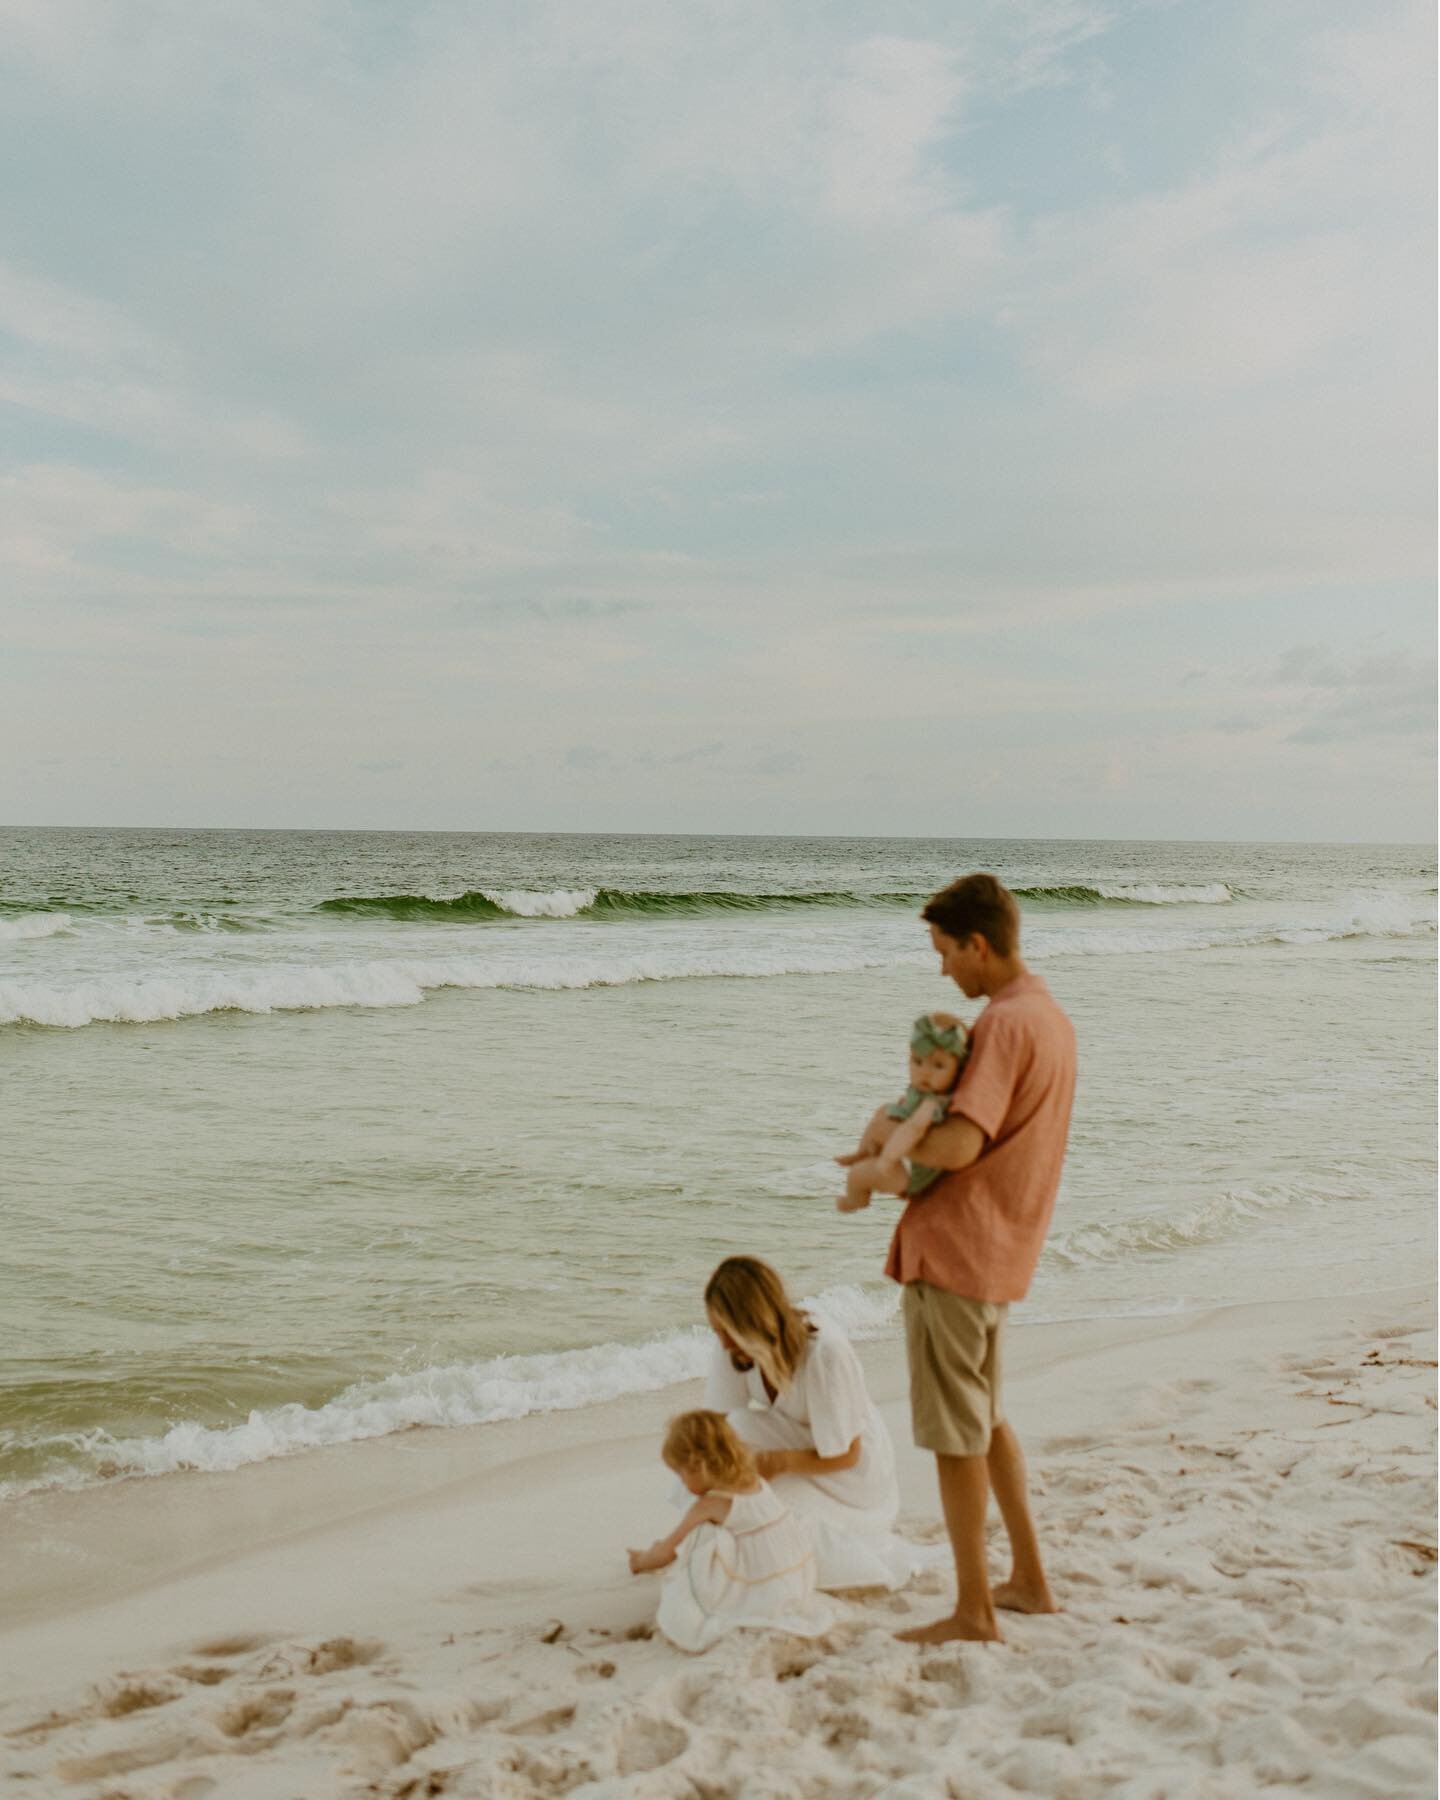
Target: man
[{"x": 969, "y": 1244}]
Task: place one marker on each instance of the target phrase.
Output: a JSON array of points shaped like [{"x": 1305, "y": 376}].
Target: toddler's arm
[
  {"x": 872, "y": 1139},
  {"x": 709, "y": 1509},
  {"x": 902, "y": 1142}
]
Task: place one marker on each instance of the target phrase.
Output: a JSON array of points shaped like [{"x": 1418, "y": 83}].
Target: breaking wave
[
  {"x": 304, "y": 987},
  {"x": 308, "y": 988},
  {"x": 34, "y": 925},
  {"x": 481, "y": 1393},
  {"x": 479, "y": 904},
  {"x": 603, "y": 902}
]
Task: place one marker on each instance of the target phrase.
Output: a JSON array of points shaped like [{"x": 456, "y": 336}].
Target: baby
[{"x": 938, "y": 1048}]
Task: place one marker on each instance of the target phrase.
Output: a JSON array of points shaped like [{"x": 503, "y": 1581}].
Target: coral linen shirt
[{"x": 978, "y": 1231}]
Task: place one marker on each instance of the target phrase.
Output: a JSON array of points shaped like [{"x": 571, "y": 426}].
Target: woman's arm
[
  {"x": 805, "y": 1462},
  {"x": 709, "y": 1509}
]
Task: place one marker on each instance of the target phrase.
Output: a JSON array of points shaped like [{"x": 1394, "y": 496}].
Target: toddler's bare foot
[
  {"x": 1014, "y": 1596},
  {"x": 958, "y": 1628},
  {"x": 852, "y": 1203}
]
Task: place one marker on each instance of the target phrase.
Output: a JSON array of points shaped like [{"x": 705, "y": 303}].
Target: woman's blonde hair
[
  {"x": 704, "y": 1443},
  {"x": 749, "y": 1300}
]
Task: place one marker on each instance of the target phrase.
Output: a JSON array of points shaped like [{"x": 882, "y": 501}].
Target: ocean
[{"x": 314, "y": 1136}]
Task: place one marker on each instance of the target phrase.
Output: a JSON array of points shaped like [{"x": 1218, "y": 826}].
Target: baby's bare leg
[
  {"x": 865, "y": 1172},
  {"x": 858, "y": 1186}
]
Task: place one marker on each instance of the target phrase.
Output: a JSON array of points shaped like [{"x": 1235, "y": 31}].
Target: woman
[{"x": 794, "y": 1391}]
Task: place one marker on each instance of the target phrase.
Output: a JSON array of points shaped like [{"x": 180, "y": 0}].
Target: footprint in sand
[
  {"x": 952, "y": 1671},
  {"x": 117, "y": 1699},
  {"x": 256, "y": 1712},
  {"x": 647, "y": 1744},
  {"x": 321, "y": 1659},
  {"x": 542, "y": 1724},
  {"x": 384, "y": 1735},
  {"x": 125, "y": 1762},
  {"x": 241, "y": 1644},
  {"x": 129, "y": 1695}
]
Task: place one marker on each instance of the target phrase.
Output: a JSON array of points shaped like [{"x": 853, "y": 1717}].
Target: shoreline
[{"x": 442, "y": 1546}]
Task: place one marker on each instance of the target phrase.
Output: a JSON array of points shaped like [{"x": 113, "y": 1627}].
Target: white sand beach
[{"x": 1238, "y": 1508}]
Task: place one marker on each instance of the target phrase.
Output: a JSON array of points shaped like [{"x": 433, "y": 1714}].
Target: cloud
[
  {"x": 1386, "y": 694},
  {"x": 676, "y": 759},
  {"x": 619, "y": 375},
  {"x": 585, "y": 756},
  {"x": 778, "y": 763}
]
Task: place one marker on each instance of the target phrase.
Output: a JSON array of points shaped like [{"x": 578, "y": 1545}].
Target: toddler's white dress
[
  {"x": 850, "y": 1514},
  {"x": 756, "y": 1570}
]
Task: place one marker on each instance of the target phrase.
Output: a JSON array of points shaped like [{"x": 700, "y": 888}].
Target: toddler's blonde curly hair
[{"x": 704, "y": 1443}]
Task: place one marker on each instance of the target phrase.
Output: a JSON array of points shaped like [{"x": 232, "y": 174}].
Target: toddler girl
[{"x": 739, "y": 1556}]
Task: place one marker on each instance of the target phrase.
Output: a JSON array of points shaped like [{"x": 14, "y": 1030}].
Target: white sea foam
[
  {"x": 560, "y": 903},
  {"x": 303, "y": 987},
  {"x": 1148, "y": 893},
  {"x": 505, "y": 1387},
  {"x": 186, "y": 990},
  {"x": 300, "y": 988},
  {"x": 1363, "y": 915},
  {"x": 1212, "y": 1221},
  {"x": 34, "y": 925}
]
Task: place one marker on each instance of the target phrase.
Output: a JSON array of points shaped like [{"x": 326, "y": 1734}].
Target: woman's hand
[
  {"x": 769, "y": 1463},
  {"x": 658, "y": 1556}
]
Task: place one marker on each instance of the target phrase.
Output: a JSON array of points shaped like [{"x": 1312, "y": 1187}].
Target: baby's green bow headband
[{"x": 926, "y": 1036}]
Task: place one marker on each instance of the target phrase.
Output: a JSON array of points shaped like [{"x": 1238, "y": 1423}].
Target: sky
[{"x": 1014, "y": 418}]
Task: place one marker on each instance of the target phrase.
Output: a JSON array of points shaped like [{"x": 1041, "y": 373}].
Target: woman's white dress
[
  {"x": 755, "y": 1570},
  {"x": 850, "y": 1514}
]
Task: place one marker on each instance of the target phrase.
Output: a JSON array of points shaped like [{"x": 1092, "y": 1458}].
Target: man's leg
[
  {"x": 1027, "y": 1589},
  {"x": 964, "y": 1496}
]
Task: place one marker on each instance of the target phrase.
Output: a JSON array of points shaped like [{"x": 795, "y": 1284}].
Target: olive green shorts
[{"x": 953, "y": 1345}]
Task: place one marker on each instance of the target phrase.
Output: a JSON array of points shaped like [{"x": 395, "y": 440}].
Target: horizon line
[{"x": 737, "y": 836}]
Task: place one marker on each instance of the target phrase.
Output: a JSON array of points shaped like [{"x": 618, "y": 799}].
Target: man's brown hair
[{"x": 976, "y": 903}]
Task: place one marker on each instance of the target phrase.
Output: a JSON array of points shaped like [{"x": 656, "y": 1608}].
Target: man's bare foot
[
  {"x": 952, "y": 1630},
  {"x": 1012, "y": 1596}
]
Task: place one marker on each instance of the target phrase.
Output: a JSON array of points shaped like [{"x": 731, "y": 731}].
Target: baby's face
[{"x": 935, "y": 1072}]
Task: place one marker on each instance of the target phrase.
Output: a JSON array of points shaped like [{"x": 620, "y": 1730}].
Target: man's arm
[{"x": 953, "y": 1144}]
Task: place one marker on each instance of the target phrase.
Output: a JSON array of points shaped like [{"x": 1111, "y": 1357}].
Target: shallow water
[{"x": 282, "y": 1171}]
